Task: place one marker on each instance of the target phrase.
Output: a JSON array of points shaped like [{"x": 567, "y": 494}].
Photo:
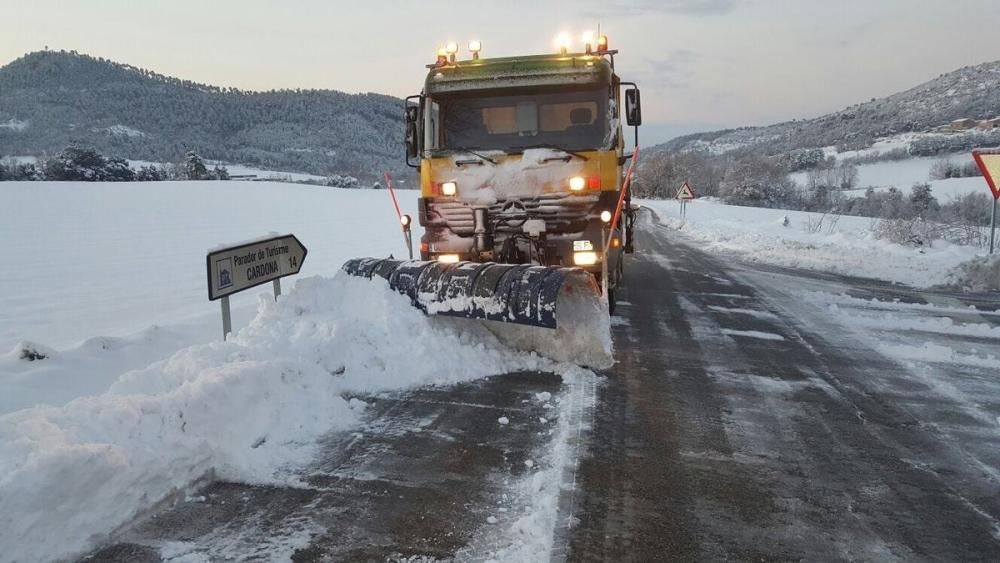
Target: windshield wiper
[
  {"x": 555, "y": 147},
  {"x": 471, "y": 151}
]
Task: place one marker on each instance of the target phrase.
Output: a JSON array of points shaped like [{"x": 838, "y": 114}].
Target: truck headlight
[
  {"x": 585, "y": 258},
  {"x": 577, "y": 183},
  {"x": 449, "y": 188}
]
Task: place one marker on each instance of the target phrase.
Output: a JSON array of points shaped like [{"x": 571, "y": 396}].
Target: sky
[{"x": 701, "y": 64}]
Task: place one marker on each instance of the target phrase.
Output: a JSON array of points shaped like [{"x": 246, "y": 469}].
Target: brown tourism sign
[{"x": 235, "y": 268}]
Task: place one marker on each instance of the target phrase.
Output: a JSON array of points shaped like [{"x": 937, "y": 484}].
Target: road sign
[
  {"x": 685, "y": 192},
  {"x": 247, "y": 265},
  {"x": 989, "y": 164}
]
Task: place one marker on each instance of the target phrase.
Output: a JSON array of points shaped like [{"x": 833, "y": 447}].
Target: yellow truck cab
[{"x": 522, "y": 159}]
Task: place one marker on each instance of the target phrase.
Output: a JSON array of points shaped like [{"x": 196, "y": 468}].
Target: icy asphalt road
[
  {"x": 763, "y": 414},
  {"x": 756, "y": 413}
]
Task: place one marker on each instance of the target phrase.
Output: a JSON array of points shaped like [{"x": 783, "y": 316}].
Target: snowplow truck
[{"x": 522, "y": 162}]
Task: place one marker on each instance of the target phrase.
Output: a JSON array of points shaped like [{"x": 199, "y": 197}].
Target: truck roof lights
[
  {"x": 562, "y": 41},
  {"x": 475, "y": 46},
  {"x": 588, "y": 41}
]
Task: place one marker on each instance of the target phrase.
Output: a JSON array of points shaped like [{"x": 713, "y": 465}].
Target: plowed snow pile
[{"x": 248, "y": 409}]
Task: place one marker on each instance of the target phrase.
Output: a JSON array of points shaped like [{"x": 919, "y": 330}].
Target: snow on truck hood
[{"x": 514, "y": 176}]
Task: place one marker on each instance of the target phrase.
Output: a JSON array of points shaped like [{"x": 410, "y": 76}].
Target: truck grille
[{"x": 561, "y": 212}]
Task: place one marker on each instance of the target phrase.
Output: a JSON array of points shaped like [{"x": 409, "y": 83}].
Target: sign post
[
  {"x": 989, "y": 165},
  {"x": 236, "y": 268},
  {"x": 684, "y": 195}
]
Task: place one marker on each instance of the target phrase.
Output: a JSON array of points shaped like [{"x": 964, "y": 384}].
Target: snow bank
[
  {"x": 981, "y": 274},
  {"x": 248, "y": 409},
  {"x": 839, "y": 244}
]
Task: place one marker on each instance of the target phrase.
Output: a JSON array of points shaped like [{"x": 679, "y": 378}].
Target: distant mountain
[
  {"x": 51, "y": 99},
  {"x": 971, "y": 92}
]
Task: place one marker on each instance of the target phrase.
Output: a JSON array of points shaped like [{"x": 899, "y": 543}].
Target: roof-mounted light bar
[{"x": 592, "y": 45}]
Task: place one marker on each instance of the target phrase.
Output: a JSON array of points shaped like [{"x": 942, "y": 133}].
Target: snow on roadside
[
  {"x": 842, "y": 245},
  {"x": 248, "y": 409},
  {"x": 92, "y": 366},
  {"x": 529, "y": 534}
]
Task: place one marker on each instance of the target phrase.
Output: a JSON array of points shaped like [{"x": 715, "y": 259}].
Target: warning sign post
[
  {"x": 684, "y": 195},
  {"x": 989, "y": 165}
]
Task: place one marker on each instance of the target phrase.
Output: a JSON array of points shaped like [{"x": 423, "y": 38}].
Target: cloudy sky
[{"x": 701, "y": 63}]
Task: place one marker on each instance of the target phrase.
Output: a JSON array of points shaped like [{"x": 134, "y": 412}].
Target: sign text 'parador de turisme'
[{"x": 236, "y": 268}]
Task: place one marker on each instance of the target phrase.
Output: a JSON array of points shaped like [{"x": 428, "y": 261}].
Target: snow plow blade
[{"x": 566, "y": 301}]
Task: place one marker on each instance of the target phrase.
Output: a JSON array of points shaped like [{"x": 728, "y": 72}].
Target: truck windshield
[{"x": 573, "y": 120}]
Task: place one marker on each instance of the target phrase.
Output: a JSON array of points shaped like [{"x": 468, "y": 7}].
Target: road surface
[{"x": 755, "y": 413}]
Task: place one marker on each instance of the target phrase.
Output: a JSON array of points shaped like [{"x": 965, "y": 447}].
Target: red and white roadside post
[
  {"x": 405, "y": 221},
  {"x": 989, "y": 164}
]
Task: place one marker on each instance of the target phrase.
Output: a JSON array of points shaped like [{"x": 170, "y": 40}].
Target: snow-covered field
[
  {"x": 121, "y": 267},
  {"x": 903, "y": 174},
  {"x": 135, "y": 413},
  {"x": 840, "y": 244}
]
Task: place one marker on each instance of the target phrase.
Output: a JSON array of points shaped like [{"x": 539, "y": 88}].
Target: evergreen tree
[
  {"x": 117, "y": 170},
  {"x": 220, "y": 173},
  {"x": 923, "y": 201},
  {"x": 194, "y": 166}
]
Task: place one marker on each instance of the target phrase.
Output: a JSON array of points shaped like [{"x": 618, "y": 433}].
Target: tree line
[{"x": 84, "y": 164}]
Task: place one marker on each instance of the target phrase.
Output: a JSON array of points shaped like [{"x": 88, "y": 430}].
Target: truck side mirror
[
  {"x": 633, "y": 109},
  {"x": 412, "y": 144}
]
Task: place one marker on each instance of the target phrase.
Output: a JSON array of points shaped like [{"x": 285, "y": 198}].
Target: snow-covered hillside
[{"x": 969, "y": 92}]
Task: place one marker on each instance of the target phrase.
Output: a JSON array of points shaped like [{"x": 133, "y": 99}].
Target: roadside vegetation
[{"x": 749, "y": 178}]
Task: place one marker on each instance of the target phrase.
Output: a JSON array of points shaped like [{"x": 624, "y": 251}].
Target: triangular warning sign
[
  {"x": 989, "y": 163},
  {"x": 685, "y": 192}
]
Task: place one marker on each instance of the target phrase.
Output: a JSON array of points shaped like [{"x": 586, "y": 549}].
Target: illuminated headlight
[
  {"x": 448, "y": 258},
  {"x": 605, "y": 216},
  {"x": 449, "y": 188},
  {"x": 577, "y": 183},
  {"x": 582, "y": 245},
  {"x": 451, "y": 48},
  {"x": 585, "y": 258}
]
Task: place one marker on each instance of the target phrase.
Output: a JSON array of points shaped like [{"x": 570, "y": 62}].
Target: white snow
[
  {"x": 14, "y": 125},
  {"x": 842, "y": 245},
  {"x": 248, "y": 409},
  {"x": 120, "y": 130},
  {"x": 503, "y": 420},
  {"x": 752, "y": 334},
  {"x": 114, "y": 259}
]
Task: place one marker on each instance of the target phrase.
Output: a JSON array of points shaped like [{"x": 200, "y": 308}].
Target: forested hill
[
  {"x": 971, "y": 92},
  {"x": 49, "y": 100}
]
